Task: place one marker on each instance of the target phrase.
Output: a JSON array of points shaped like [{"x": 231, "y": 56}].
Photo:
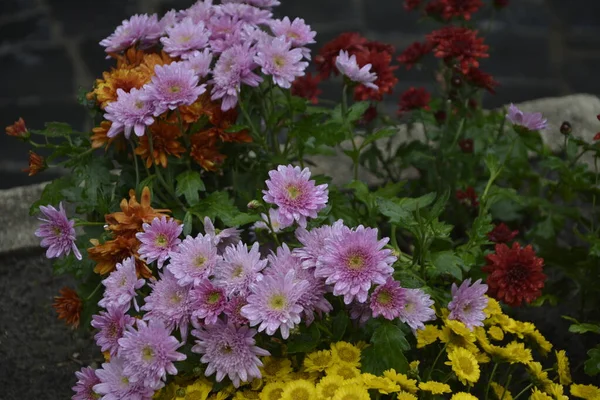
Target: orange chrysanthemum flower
[
  {"x": 132, "y": 58},
  {"x": 100, "y": 138},
  {"x": 121, "y": 78},
  {"x": 18, "y": 129},
  {"x": 68, "y": 306},
  {"x": 37, "y": 164},
  {"x": 111, "y": 252},
  {"x": 164, "y": 143},
  {"x": 133, "y": 214},
  {"x": 204, "y": 150}
]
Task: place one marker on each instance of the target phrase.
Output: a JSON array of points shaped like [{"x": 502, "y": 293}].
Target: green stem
[
  {"x": 393, "y": 239},
  {"x": 88, "y": 223},
  {"x": 94, "y": 292},
  {"x": 487, "y": 389},
  {"x": 435, "y": 362},
  {"x": 135, "y": 160},
  {"x": 162, "y": 181},
  {"x": 355, "y": 151},
  {"x": 523, "y": 391},
  {"x": 506, "y": 386}
]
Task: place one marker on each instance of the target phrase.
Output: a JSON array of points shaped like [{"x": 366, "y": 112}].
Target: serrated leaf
[
  {"x": 592, "y": 364},
  {"x": 357, "y": 110},
  {"x": 446, "y": 262},
  {"x": 399, "y": 211},
  {"x": 219, "y": 205},
  {"x": 189, "y": 184},
  {"x": 386, "y": 351},
  {"x": 306, "y": 341},
  {"x": 52, "y": 194},
  {"x": 188, "y": 222},
  {"x": 380, "y": 134},
  {"x": 339, "y": 323},
  {"x": 584, "y": 328}
]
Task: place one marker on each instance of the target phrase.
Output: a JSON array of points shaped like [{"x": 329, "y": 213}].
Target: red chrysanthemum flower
[
  {"x": 414, "y": 99},
  {"x": 515, "y": 274},
  {"x": 307, "y": 86},
  {"x": 466, "y": 145},
  {"x": 459, "y": 44},
  {"x": 480, "y": 79},
  {"x": 351, "y": 42},
  {"x": 413, "y": 54},
  {"x": 502, "y": 234},
  {"x": 380, "y": 60},
  {"x": 468, "y": 197},
  {"x": 68, "y": 306},
  {"x": 460, "y": 8},
  {"x": 37, "y": 164},
  {"x": 410, "y": 5},
  {"x": 435, "y": 9}
]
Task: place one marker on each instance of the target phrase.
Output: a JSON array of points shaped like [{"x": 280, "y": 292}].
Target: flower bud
[
  {"x": 37, "y": 164},
  {"x": 18, "y": 129},
  {"x": 566, "y": 128},
  {"x": 254, "y": 204}
]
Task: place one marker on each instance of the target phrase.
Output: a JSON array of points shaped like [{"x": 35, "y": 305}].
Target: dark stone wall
[{"x": 49, "y": 48}]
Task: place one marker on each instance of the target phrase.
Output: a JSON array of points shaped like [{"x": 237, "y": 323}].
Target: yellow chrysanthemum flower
[
  {"x": 318, "y": 361},
  {"x": 247, "y": 394},
  {"x": 463, "y": 396},
  {"x": 381, "y": 384},
  {"x": 407, "y": 384},
  {"x": 351, "y": 392},
  {"x": 483, "y": 340},
  {"x": 328, "y": 385},
  {"x": 514, "y": 352},
  {"x": 427, "y": 336},
  {"x": 543, "y": 345},
  {"x": 435, "y": 387},
  {"x": 538, "y": 395},
  {"x": 299, "y": 389},
  {"x": 414, "y": 366},
  {"x": 538, "y": 375},
  {"x": 587, "y": 392},
  {"x": 562, "y": 364},
  {"x": 492, "y": 308},
  {"x": 500, "y": 391},
  {"x": 405, "y": 396},
  {"x": 344, "y": 370},
  {"x": 255, "y": 384},
  {"x": 505, "y": 322},
  {"x": 272, "y": 391},
  {"x": 346, "y": 353},
  {"x": 464, "y": 365},
  {"x": 276, "y": 369},
  {"x": 456, "y": 334},
  {"x": 222, "y": 395},
  {"x": 556, "y": 391},
  {"x": 496, "y": 333},
  {"x": 481, "y": 358},
  {"x": 199, "y": 390},
  {"x": 361, "y": 344}
]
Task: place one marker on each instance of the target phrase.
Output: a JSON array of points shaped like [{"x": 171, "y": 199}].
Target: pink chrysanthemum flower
[
  {"x": 140, "y": 28},
  {"x": 159, "y": 239},
  {"x": 245, "y": 12},
  {"x": 185, "y": 37},
  {"x": 199, "y": 62},
  {"x": 297, "y": 32},
  {"x": 348, "y": 66},
  {"x": 417, "y": 309},
  {"x": 314, "y": 243},
  {"x": 226, "y": 32},
  {"x": 111, "y": 325},
  {"x": 468, "y": 303},
  {"x": 296, "y": 196},
  {"x": 172, "y": 85},
  {"x": 275, "y": 303},
  {"x": 209, "y": 302},
  {"x": 233, "y": 68},
  {"x": 195, "y": 260},
  {"x": 233, "y": 310},
  {"x": 531, "y": 121},
  {"x": 360, "y": 312},
  {"x": 229, "y": 351},
  {"x": 130, "y": 112},
  {"x": 86, "y": 379},
  {"x": 353, "y": 261},
  {"x": 239, "y": 269},
  {"x": 121, "y": 285},
  {"x": 312, "y": 300},
  {"x": 170, "y": 303},
  {"x": 115, "y": 385},
  {"x": 57, "y": 232},
  {"x": 170, "y": 19},
  {"x": 388, "y": 299},
  {"x": 148, "y": 353},
  {"x": 279, "y": 60},
  {"x": 255, "y": 3},
  {"x": 264, "y": 223},
  {"x": 222, "y": 238},
  {"x": 201, "y": 11}
]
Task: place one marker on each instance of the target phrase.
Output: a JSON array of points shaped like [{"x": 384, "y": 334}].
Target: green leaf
[
  {"x": 219, "y": 205},
  {"x": 357, "y": 110},
  {"x": 189, "y": 183},
  {"x": 52, "y": 193},
  {"x": 188, "y": 222},
  {"x": 446, "y": 262},
  {"x": 380, "y": 134},
  {"x": 55, "y": 129},
  {"x": 400, "y": 211},
  {"x": 592, "y": 364},
  {"x": 306, "y": 341},
  {"x": 584, "y": 328},
  {"x": 388, "y": 344},
  {"x": 339, "y": 323},
  {"x": 492, "y": 163}
]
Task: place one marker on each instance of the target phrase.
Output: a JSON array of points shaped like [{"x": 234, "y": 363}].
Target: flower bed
[{"x": 217, "y": 266}]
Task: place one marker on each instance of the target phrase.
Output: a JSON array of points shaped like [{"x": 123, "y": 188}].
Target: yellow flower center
[
  {"x": 195, "y": 395},
  {"x": 161, "y": 240},
  {"x": 279, "y": 61},
  {"x": 147, "y": 353},
  {"x": 466, "y": 365},
  {"x": 356, "y": 262},
  {"x": 175, "y": 298},
  {"x": 175, "y": 89},
  {"x": 214, "y": 297},
  {"x": 185, "y": 39},
  {"x": 277, "y": 302},
  {"x": 293, "y": 192},
  {"x": 329, "y": 389},
  {"x": 226, "y": 349},
  {"x": 384, "y": 297},
  {"x": 200, "y": 260},
  {"x": 275, "y": 394},
  {"x": 300, "y": 394},
  {"x": 139, "y": 104},
  {"x": 237, "y": 272}
]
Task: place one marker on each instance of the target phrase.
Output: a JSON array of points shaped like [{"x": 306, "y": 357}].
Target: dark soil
[{"x": 38, "y": 353}]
